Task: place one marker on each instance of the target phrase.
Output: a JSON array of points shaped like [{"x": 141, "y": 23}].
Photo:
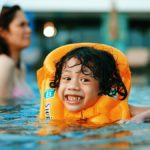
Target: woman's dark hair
[
  {"x": 6, "y": 17},
  {"x": 4, "y": 49},
  {"x": 103, "y": 66}
]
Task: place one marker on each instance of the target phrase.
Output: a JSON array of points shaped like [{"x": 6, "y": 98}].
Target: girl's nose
[{"x": 74, "y": 85}]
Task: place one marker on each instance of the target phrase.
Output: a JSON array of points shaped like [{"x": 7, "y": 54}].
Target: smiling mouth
[{"x": 71, "y": 99}]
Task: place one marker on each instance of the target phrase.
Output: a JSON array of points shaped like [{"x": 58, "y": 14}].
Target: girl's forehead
[
  {"x": 72, "y": 62},
  {"x": 74, "y": 65}
]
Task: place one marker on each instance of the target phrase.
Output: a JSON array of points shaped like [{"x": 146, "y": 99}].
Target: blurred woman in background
[{"x": 14, "y": 37}]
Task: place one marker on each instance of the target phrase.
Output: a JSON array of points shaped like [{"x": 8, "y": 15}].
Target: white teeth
[
  {"x": 73, "y": 98},
  {"x": 78, "y": 98}
]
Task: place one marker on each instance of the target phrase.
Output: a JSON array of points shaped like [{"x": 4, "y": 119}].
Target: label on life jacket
[{"x": 49, "y": 93}]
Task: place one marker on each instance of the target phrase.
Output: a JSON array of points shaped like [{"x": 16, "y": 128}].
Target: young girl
[{"x": 86, "y": 82}]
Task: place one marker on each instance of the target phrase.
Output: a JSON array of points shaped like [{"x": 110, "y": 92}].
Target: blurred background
[{"x": 124, "y": 24}]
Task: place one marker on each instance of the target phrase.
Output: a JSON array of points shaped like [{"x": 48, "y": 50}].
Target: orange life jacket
[{"x": 106, "y": 110}]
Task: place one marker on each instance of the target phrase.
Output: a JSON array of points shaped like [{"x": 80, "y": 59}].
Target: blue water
[{"x": 19, "y": 128}]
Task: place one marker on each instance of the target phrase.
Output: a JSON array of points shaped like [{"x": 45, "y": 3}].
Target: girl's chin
[{"x": 73, "y": 108}]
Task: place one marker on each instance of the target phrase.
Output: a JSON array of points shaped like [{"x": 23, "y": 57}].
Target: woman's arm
[{"x": 7, "y": 66}]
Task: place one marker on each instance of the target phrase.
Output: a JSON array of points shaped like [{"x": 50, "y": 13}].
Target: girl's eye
[
  {"x": 66, "y": 78},
  {"x": 85, "y": 80}
]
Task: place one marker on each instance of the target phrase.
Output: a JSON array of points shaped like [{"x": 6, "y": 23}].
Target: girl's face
[
  {"x": 76, "y": 90},
  {"x": 18, "y": 34}
]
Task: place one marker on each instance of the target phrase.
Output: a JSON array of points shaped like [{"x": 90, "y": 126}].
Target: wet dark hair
[
  {"x": 6, "y": 17},
  {"x": 103, "y": 66}
]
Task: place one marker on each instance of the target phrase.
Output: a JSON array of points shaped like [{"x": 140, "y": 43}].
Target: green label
[{"x": 49, "y": 93}]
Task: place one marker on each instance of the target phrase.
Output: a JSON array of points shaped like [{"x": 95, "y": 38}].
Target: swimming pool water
[{"x": 19, "y": 128}]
